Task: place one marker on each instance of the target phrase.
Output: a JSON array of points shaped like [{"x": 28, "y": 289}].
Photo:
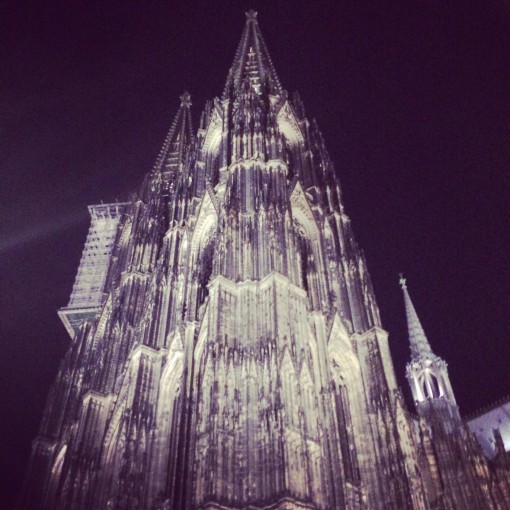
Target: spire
[
  {"x": 252, "y": 61},
  {"x": 420, "y": 347},
  {"x": 178, "y": 139}
]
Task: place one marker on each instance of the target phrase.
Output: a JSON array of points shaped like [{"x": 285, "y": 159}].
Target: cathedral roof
[{"x": 252, "y": 62}]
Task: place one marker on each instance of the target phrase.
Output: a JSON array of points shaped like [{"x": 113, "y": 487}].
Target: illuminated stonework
[
  {"x": 234, "y": 357},
  {"x": 90, "y": 284}
]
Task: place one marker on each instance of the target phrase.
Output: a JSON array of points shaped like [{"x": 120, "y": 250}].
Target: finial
[
  {"x": 251, "y": 15},
  {"x": 185, "y": 99},
  {"x": 402, "y": 281}
]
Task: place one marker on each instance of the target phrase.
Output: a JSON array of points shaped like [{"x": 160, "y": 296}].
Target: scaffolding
[{"x": 87, "y": 294}]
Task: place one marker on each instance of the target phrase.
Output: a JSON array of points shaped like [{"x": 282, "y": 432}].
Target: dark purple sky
[{"x": 413, "y": 98}]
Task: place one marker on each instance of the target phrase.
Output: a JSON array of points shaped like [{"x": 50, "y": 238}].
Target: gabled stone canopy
[{"x": 236, "y": 359}]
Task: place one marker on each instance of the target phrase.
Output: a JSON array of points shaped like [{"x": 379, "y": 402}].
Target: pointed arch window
[
  {"x": 344, "y": 423},
  {"x": 205, "y": 267},
  {"x": 213, "y": 166},
  {"x": 290, "y": 159},
  {"x": 166, "y": 462},
  {"x": 430, "y": 385}
]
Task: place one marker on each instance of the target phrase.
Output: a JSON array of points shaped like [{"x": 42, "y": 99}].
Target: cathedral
[{"x": 227, "y": 350}]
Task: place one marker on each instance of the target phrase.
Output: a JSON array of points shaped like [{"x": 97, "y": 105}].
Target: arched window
[
  {"x": 308, "y": 402},
  {"x": 430, "y": 385},
  {"x": 205, "y": 267},
  {"x": 290, "y": 159},
  {"x": 165, "y": 449},
  {"x": 308, "y": 266},
  {"x": 213, "y": 167},
  {"x": 435, "y": 386},
  {"x": 345, "y": 379},
  {"x": 344, "y": 423},
  {"x": 304, "y": 253}
]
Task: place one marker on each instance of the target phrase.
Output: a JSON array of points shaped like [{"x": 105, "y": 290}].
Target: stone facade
[{"x": 236, "y": 359}]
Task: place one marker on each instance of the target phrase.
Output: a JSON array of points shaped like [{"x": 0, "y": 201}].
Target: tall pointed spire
[
  {"x": 426, "y": 372},
  {"x": 227, "y": 351},
  {"x": 420, "y": 347},
  {"x": 252, "y": 61},
  {"x": 177, "y": 140}
]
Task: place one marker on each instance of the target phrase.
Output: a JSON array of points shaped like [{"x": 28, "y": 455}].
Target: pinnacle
[
  {"x": 185, "y": 99},
  {"x": 179, "y": 136},
  {"x": 252, "y": 61}
]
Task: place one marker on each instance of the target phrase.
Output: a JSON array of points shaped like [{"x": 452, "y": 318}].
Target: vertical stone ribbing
[{"x": 237, "y": 360}]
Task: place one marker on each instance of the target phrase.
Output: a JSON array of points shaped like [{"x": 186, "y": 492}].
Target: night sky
[{"x": 414, "y": 102}]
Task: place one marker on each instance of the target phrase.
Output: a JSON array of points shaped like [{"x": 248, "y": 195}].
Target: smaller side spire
[
  {"x": 178, "y": 139},
  {"x": 420, "y": 347},
  {"x": 426, "y": 372}
]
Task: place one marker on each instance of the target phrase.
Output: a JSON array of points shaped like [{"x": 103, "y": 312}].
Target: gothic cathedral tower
[{"x": 227, "y": 350}]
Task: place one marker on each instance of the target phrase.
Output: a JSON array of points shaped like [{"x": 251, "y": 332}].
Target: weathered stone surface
[{"x": 235, "y": 357}]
